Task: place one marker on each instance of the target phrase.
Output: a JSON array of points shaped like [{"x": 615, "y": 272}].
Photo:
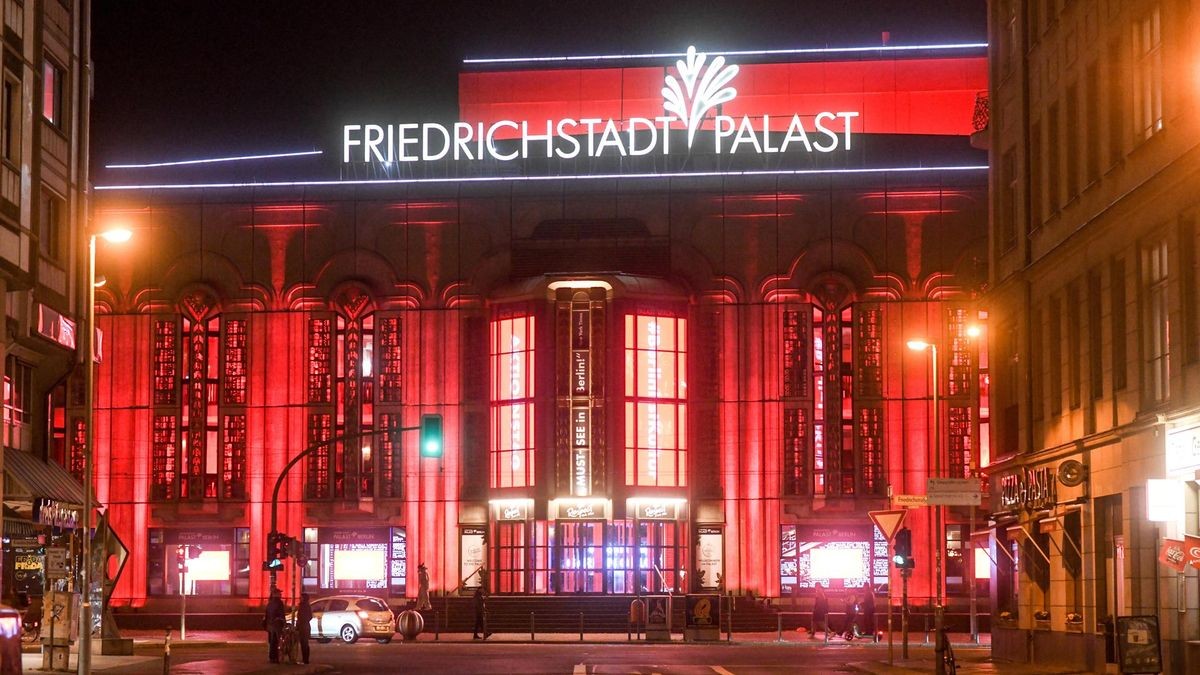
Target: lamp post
[
  {"x": 115, "y": 235},
  {"x": 939, "y": 664}
]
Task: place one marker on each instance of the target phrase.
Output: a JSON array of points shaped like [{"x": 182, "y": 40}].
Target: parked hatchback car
[{"x": 349, "y": 617}]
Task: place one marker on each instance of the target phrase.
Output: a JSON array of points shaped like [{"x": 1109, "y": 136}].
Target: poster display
[
  {"x": 710, "y": 557},
  {"x": 472, "y": 548},
  {"x": 1139, "y": 648}
]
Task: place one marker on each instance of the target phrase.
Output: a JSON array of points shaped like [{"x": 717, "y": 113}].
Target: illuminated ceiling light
[
  {"x": 100, "y": 281},
  {"x": 212, "y": 160},
  {"x": 751, "y": 52},
  {"x": 117, "y": 235},
  {"x": 498, "y": 179},
  {"x": 974, "y": 331},
  {"x": 917, "y": 345}
]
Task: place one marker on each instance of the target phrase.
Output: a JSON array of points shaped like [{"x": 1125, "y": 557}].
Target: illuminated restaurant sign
[
  {"x": 1183, "y": 451},
  {"x": 579, "y": 509},
  {"x": 692, "y": 97},
  {"x": 1029, "y": 488}
]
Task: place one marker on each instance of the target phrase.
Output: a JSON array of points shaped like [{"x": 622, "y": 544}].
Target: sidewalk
[
  {"x": 966, "y": 664},
  {"x": 150, "y": 662}
]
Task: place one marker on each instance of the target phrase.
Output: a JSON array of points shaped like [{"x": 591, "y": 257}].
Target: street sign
[
  {"x": 910, "y": 501},
  {"x": 887, "y": 521},
  {"x": 56, "y": 563},
  {"x": 953, "y": 492}
]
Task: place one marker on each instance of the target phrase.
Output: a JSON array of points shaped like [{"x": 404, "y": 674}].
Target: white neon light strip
[
  {"x": 500, "y": 179},
  {"x": 214, "y": 160},
  {"x": 747, "y": 52}
]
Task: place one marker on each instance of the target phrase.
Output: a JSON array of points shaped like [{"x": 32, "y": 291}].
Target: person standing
[
  {"x": 480, "y": 615},
  {"x": 273, "y": 621},
  {"x": 851, "y": 614},
  {"x": 423, "y": 588},
  {"x": 868, "y": 611},
  {"x": 820, "y": 616},
  {"x": 304, "y": 626}
]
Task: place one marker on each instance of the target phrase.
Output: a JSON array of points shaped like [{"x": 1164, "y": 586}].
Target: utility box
[
  {"x": 658, "y": 618},
  {"x": 702, "y": 617},
  {"x": 59, "y": 625}
]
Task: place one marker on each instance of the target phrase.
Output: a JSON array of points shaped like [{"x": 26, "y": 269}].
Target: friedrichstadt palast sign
[{"x": 691, "y": 98}]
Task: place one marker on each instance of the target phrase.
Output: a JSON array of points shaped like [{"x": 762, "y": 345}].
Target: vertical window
[
  {"x": 867, "y": 388},
  {"x": 1036, "y": 376},
  {"x": 1147, "y": 75},
  {"x": 1095, "y": 330},
  {"x": 1054, "y": 354},
  {"x": 18, "y": 401},
  {"x": 1074, "y": 346},
  {"x": 390, "y": 362},
  {"x": 1052, "y": 146},
  {"x": 312, "y": 551},
  {"x": 1155, "y": 324},
  {"x": 1036, "y": 180},
  {"x": 320, "y": 462},
  {"x": 1074, "y": 140},
  {"x": 818, "y": 352},
  {"x": 78, "y": 447},
  {"x": 241, "y": 561},
  {"x": 10, "y": 126},
  {"x": 166, "y": 358},
  {"x": 320, "y": 357},
  {"x": 52, "y": 93},
  {"x": 1119, "y": 330},
  {"x": 235, "y": 362},
  {"x": 796, "y": 387},
  {"x": 1116, "y": 104},
  {"x": 512, "y": 357},
  {"x": 1091, "y": 130},
  {"x": 200, "y": 466},
  {"x": 1187, "y": 286},
  {"x": 795, "y": 451},
  {"x": 164, "y": 457},
  {"x": 795, "y": 365},
  {"x": 655, "y": 400},
  {"x": 233, "y": 458},
  {"x": 390, "y": 457},
  {"x": 50, "y": 224},
  {"x": 1008, "y": 200}
]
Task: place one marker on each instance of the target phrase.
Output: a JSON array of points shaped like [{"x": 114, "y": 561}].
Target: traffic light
[
  {"x": 277, "y": 550},
  {"x": 431, "y": 436},
  {"x": 902, "y": 554},
  {"x": 180, "y": 559}
]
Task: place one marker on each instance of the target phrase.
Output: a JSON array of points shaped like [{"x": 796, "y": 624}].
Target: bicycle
[
  {"x": 948, "y": 654},
  {"x": 289, "y": 643}
]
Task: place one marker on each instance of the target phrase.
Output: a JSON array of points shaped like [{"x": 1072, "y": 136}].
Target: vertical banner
[
  {"x": 710, "y": 557},
  {"x": 472, "y": 547},
  {"x": 581, "y": 460},
  {"x": 581, "y": 413}
]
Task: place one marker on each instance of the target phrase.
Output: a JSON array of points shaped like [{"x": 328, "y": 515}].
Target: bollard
[
  {"x": 729, "y": 624},
  {"x": 779, "y": 627},
  {"x": 437, "y": 625},
  {"x": 167, "y": 653},
  {"x": 532, "y": 623},
  {"x": 581, "y": 626}
]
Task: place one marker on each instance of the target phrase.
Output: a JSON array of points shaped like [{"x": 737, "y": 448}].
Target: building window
[
  {"x": 233, "y": 458},
  {"x": 797, "y": 384},
  {"x": 795, "y": 353},
  {"x": 512, "y": 364},
  {"x": 164, "y": 453},
  {"x": 870, "y": 445},
  {"x": 1052, "y": 143},
  {"x": 320, "y": 462},
  {"x": 958, "y": 435},
  {"x": 1187, "y": 286},
  {"x": 1116, "y": 104},
  {"x": 1119, "y": 341},
  {"x": 1147, "y": 75},
  {"x": 1074, "y": 140},
  {"x": 1074, "y": 346},
  {"x": 75, "y": 461},
  {"x": 390, "y": 360},
  {"x": 1008, "y": 200},
  {"x": 241, "y": 561},
  {"x": 1095, "y": 330},
  {"x": 1092, "y": 131},
  {"x": 235, "y": 362},
  {"x": 320, "y": 359},
  {"x": 1054, "y": 355},
  {"x": 1037, "y": 209},
  {"x": 1155, "y": 324},
  {"x": 10, "y": 126},
  {"x": 50, "y": 224},
  {"x": 1037, "y": 378},
  {"x": 166, "y": 358},
  {"x": 391, "y": 457},
  {"x": 52, "y": 93},
  {"x": 655, "y": 400},
  {"x": 795, "y": 451},
  {"x": 200, "y": 468},
  {"x": 18, "y": 404}
]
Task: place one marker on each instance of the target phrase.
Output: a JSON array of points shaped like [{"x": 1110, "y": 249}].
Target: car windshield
[{"x": 372, "y": 605}]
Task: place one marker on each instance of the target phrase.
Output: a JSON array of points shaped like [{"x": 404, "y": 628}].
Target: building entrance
[{"x": 581, "y": 556}]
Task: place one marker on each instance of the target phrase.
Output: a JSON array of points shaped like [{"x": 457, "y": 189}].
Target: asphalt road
[{"x": 558, "y": 659}]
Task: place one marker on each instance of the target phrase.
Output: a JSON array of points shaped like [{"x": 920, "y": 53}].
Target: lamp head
[
  {"x": 918, "y": 345},
  {"x": 117, "y": 234},
  {"x": 974, "y": 331}
]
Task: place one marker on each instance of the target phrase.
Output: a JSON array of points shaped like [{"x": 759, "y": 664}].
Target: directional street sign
[
  {"x": 888, "y": 521},
  {"x": 56, "y": 563},
  {"x": 953, "y": 491},
  {"x": 910, "y": 501}
]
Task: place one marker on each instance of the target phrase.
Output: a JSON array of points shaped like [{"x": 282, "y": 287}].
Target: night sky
[{"x": 182, "y": 79}]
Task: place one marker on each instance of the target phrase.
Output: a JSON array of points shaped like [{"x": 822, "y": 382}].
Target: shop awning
[{"x": 42, "y": 479}]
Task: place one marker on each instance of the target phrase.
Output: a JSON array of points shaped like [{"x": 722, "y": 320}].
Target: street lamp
[
  {"x": 115, "y": 234},
  {"x": 938, "y": 609}
]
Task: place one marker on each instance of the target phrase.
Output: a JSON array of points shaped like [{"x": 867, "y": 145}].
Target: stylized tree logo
[{"x": 698, "y": 89}]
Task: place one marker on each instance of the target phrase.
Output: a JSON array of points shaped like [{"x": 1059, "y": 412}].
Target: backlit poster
[
  {"x": 472, "y": 547},
  {"x": 710, "y": 557}
]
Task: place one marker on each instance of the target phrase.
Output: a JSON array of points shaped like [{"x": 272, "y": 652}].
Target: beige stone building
[{"x": 1095, "y": 356}]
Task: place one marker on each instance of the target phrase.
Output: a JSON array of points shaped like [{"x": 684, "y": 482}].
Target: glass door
[
  {"x": 661, "y": 558},
  {"x": 512, "y": 554},
  {"x": 618, "y": 558},
  {"x": 581, "y": 556}
]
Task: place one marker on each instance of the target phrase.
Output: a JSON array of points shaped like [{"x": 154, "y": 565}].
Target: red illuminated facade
[{"x": 648, "y": 385}]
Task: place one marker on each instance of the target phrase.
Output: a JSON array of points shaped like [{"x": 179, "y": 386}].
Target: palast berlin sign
[{"x": 697, "y": 89}]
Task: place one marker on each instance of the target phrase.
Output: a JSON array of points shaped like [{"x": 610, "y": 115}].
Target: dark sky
[{"x": 179, "y": 79}]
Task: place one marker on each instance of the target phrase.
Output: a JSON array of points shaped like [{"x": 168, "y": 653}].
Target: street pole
[
  {"x": 939, "y": 664},
  {"x": 971, "y": 576},
  {"x": 183, "y": 592},
  {"x": 904, "y": 574},
  {"x": 89, "y": 386}
]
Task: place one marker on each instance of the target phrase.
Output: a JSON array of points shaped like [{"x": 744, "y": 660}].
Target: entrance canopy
[{"x": 29, "y": 480}]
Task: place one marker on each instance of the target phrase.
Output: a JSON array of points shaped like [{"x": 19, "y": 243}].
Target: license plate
[{"x": 382, "y": 626}]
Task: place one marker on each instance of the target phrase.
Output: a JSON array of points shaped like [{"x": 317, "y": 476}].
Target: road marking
[
  {"x": 580, "y": 669},
  {"x": 720, "y": 671}
]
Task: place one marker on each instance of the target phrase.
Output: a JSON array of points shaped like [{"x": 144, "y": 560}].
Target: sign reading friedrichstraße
[
  {"x": 910, "y": 501},
  {"x": 696, "y": 89}
]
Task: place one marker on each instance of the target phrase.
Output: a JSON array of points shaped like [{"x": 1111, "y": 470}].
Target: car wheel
[
  {"x": 383, "y": 641},
  {"x": 348, "y": 634}
]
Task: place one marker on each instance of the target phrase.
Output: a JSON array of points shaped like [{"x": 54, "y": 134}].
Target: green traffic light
[{"x": 431, "y": 436}]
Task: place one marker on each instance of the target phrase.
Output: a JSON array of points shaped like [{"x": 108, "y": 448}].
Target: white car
[{"x": 349, "y": 617}]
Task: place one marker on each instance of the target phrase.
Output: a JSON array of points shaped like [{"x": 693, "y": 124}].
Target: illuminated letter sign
[
  {"x": 580, "y": 441},
  {"x": 690, "y": 97},
  {"x": 1029, "y": 488}
]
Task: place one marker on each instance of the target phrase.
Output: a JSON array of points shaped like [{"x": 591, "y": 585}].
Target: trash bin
[
  {"x": 10, "y": 641},
  {"x": 658, "y": 618}
]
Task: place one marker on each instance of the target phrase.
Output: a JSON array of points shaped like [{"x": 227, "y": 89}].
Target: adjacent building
[
  {"x": 1093, "y": 305},
  {"x": 659, "y": 371},
  {"x": 44, "y": 98}
]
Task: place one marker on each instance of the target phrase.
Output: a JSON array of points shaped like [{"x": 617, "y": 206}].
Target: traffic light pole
[
  {"x": 296, "y": 460},
  {"x": 904, "y": 574}
]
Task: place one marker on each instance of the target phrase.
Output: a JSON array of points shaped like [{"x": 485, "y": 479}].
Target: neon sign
[{"x": 689, "y": 100}]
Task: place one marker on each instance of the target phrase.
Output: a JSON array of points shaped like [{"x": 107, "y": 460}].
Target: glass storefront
[{"x": 206, "y": 561}]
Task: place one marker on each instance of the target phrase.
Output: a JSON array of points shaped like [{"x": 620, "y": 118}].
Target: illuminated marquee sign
[
  {"x": 579, "y": 509},
  {"x": 1183, "y": 451},
  {"x": 580, "y": 434},
  {"x": 691, "y": 97},
  {"x": 581, "y": 412},
  {"x": 1029, "y": 488}
]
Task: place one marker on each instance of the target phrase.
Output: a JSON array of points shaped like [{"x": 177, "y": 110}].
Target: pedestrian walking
[
  {"x": 868, "y": 612},
  {"x": 304, "y": 626},
  {"x": 851, "y": 614},
  {"x": 423, "y": 588},
  {"x": 273, "y": 621},
  {"x": 480, "y": 615},
  {"x": 820, "y": 616}
]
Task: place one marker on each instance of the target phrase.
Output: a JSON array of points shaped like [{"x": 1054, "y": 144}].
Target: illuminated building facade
[
  {"x": 656, "y": 373},
  {"x": 1095, "y": 345}
]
